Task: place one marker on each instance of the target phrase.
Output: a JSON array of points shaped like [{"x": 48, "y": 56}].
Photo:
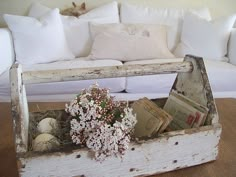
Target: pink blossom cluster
[{"x": 100, "y": 123}]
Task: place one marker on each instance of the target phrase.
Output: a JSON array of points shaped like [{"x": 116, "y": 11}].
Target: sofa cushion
[
  {"x": 70, "y": 87},
  {"x": 5, "y": 85},
  {"x": 77, "y": 29},
  {"x": 164, "y": 16},
  {"x": 220, "y": 74},
  {"x": 38, "y": 41},
  {"x": 161, "y": 83},
  {"x": 129, "y": 42},
  {"x": 232, "y": 47},
  {"x": 204, "y": 38}
]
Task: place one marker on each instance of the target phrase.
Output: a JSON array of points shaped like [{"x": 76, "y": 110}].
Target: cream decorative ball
[
  {"x": 48, "y": 125},
  {"x": 45, "y": 142}
]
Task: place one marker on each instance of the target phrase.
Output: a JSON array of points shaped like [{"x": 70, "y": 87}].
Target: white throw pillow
[
  {"x": 206, "y": 39},
  {"x": 39, "y": 41},
  {"x": 77, "y": 29},
  {"x": 173, "y": 18},
  {"x": 37, "y": 10},
  {"x": 7, "y": 56},
  {"x": 129, "y": 42}
]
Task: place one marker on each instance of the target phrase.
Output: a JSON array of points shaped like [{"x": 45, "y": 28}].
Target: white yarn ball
[
  {"x": 45, "y": 142},
  {"x": 48, "y": 125}
]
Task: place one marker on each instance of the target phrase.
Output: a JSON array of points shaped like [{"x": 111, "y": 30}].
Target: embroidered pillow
[
  {"x": 171, "y": 17},
  {"x": 129, "y": 42}
]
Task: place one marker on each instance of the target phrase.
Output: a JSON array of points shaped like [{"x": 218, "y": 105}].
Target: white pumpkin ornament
[
  {"x": 48, "y": 125},
  {"x": 45, "y": 142}
]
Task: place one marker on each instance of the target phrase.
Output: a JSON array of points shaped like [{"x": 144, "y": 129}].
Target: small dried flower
[{"x": 100, "y": 123}]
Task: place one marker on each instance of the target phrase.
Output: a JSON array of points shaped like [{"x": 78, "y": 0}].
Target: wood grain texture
[
  {"x": 20, "y": 112},
  {"x": 161, "y": 153},
  {"x": 196, "y": 86},
  {"x": 225, "y": 165},
  {"x": 169, "y": 152},
  {"x": 31, "y": 77}
]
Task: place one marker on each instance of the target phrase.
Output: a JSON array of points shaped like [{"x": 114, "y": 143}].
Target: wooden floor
[{"x": 225, "y": 166}]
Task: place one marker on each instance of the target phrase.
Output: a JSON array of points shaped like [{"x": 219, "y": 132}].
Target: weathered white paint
[
  {"x": 104, "y": 72},
  {"x": 20, "y": 111},
  {"x": 196, "y": 86},
  {"x": 172, "y": 151}
]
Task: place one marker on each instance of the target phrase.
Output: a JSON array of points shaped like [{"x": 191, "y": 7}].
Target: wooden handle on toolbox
[{"x": 33, "y": 77}]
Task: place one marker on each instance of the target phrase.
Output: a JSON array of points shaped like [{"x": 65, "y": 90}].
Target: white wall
[{"x": 217, "y": 7}]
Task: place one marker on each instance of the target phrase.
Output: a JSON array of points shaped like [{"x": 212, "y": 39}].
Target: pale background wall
[{"x": 217, "y": 7}]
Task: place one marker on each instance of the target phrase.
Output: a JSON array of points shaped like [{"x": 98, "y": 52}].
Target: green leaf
[{"x": 103, "y": 104}]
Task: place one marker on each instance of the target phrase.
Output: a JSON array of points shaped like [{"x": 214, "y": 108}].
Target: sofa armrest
[
  {"x": 7, "y": 55},
  {"x": 232, "y": 47}
]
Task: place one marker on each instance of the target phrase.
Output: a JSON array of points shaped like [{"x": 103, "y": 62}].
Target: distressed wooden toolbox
[{"x": 170, "y": 151}]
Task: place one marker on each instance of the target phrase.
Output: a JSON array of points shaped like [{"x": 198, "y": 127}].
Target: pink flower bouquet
[{"x": 101, "y": 123}]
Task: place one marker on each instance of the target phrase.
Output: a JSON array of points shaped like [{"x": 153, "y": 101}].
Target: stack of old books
[
  {"x": 151, "y": 119},
  {"x": 186, "y": 112},
  {"x": 179, "y": 112}
]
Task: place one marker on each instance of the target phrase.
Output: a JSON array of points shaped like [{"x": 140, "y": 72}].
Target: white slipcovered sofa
[{"x": 98, "y": 38}]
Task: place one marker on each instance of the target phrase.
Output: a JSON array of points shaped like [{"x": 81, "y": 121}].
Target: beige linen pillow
[
  {"x": 171, "y": 17},
  {"x": 127, "y": 42}
]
